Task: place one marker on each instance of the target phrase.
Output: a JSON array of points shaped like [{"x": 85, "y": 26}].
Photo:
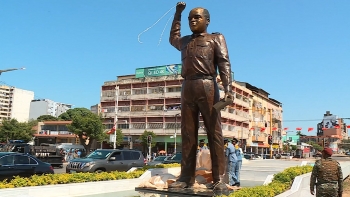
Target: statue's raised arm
[{"x": 175, "y": 32}]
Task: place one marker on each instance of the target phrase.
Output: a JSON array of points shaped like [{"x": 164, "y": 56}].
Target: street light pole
[
  {"x": 116, "y": 117},
  {"x": 11, "y": 69},
  {"x": 270, "y": 110},
  {"x": 176, "y": 115},
  {"x": 242, "y": 132}
]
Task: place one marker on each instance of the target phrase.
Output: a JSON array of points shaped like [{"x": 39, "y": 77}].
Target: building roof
[
  {"x": 253, "y": 88},
  {"x": 59, "y": 122},
  {"x": 276, "y": 101},
  {"x": 61, "y": 136}
]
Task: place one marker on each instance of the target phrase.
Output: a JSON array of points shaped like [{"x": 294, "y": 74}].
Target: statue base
[{"x": 175, "y": 192}]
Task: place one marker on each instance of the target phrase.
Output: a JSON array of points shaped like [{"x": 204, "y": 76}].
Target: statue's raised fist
[{"x": 180, "y": 6}]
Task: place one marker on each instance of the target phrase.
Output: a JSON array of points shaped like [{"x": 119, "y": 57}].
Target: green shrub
[
  {"x": 281, "y": 182},
  {"x": 53, "y": 179}
]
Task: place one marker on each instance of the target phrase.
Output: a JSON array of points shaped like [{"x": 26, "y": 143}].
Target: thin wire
[
  {"x": 138, "y": 37},
  {"x": 161, "y": 35}
]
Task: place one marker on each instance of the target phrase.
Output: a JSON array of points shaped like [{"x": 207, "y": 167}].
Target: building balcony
[
  {"x": 154, "y": 95},
  {"x": 148, "y": 113},
  {"x": 258, "y": 139},
  {"x": 276, "y": 140},
  {"x": 108, "y": 115},
  {"x": 172, "y": 95},
  {"x": 108, "y": 98},
  {"x": 140, "y": 96},
  {"x": 233, "y": 116},
  {"x": 241, "y": 102}
]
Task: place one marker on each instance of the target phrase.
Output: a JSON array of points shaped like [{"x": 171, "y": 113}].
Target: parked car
[
  {"x": 266, "y": 156},
  {"x": 23, "y": 165},
  {"x": 317, "y": 155},
  {"x": 250, "y": 156},
  {"x": 277, "y": 156},
  {"x": 298, "y": 156},
  {"x": 107, "y": 160},
  {"x": 347, "y": 153},
  {"x": 176, "y": 158},
  {"x": 285, "y": 156},
  {"x": 158, "y": 160}
]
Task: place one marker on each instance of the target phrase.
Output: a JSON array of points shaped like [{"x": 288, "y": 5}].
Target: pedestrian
[
  {"x": 226, "y": 179},
  {"x": 231, "y": 164},
  {"x": 201, "y": 146},
  {"x": 238, "y": 166},
  {"x": 327, "y": 176}
]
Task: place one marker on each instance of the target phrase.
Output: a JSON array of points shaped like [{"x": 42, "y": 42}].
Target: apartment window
[
  {"x": 139, "y": 126},
  {"x": 174, "y": 89},
  {"x": 140, "y": 91},
  {"x": 123, "y": 126}
]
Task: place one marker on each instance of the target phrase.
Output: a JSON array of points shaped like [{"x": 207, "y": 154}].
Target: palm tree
[{"x": 300, "y": 134}]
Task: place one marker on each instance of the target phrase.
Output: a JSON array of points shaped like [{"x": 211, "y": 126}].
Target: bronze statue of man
[{"x": 202, "y": 55}]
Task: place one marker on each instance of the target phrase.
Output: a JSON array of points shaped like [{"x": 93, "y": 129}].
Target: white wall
[{"x": 21, "y": 104}]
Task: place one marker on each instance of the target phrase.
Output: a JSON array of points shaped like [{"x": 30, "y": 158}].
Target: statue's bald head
[{"x": 205, "y": 12}]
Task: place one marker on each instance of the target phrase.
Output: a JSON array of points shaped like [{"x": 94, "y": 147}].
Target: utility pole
[
  {"x": 116, "y": 116},
  {"x": 176, "y": 115},
  {"x": 270, "y": 110}
]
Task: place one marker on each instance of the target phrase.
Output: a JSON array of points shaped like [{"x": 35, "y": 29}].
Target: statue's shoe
[
  {"x": 178, "y": 184},
  {"x": 219, "y": 188}
]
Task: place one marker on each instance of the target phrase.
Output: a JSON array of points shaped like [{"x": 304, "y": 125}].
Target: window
[
  {"x": 32, "y": 161},
  {"x": 127, "y": 155},
  {"x": 21, "y": 160},
  {"x": 6, "y": 160},
  {"x": 135, "y": 155},
  {"x": 117, "y": 155}
]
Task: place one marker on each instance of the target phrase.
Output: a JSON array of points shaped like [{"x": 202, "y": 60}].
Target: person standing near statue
[
  {"x": 329, "y": 176},
  {"x": 202, "y": 146},
  {"x": 231, "y": 164},
  {"x": 202, "y": 55},
  {"x": 238, "y": 166}
]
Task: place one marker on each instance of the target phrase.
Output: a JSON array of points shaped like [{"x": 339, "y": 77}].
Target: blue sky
[{"x": 298, "y": 51}]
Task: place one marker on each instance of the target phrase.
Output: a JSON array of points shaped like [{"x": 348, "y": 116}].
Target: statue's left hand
[{"x": 228, "y": 95}]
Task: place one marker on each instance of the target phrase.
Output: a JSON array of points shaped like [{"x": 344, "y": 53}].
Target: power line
[
  {"x": 308, "y": 120},
  {"x": 305, "y": 120}
]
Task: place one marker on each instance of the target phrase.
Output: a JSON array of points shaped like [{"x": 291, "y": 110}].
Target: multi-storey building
[
  {"x": 150, "y": 100},
  {"x": 330, "y": 132},
  {"x": 41, "y": 107},
  {"x": 96, "y": 109},
  {"x": 54, "y": 132},
  {"x": 15, "y": 103},
  {"x": 266, "y": 119}
]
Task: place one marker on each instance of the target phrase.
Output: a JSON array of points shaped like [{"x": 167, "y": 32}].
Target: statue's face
[{"x": 197, "y": 21}]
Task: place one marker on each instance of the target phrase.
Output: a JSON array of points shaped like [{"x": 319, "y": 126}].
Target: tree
[
  {"x": 294, "y": 147},
  {"x": 85, "y": 124},
  {"x": 143, "y": 139},
  {"x": 120, "y": 137},
  {"x": 14, "y": 130},
  {"x": 315, "y": 145},
  {"x": 46, "y": 118}
]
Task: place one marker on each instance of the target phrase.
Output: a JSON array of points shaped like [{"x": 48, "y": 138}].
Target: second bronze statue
[{"x": 202, "y": 56}]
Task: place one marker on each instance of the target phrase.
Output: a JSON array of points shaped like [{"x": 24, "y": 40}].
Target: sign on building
[
  {"x": 158, "y": 71},
  {"x": 330, "y": 122}
]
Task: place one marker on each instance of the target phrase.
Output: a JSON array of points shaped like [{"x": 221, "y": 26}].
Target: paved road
[{"x": 255, "y": 172}]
